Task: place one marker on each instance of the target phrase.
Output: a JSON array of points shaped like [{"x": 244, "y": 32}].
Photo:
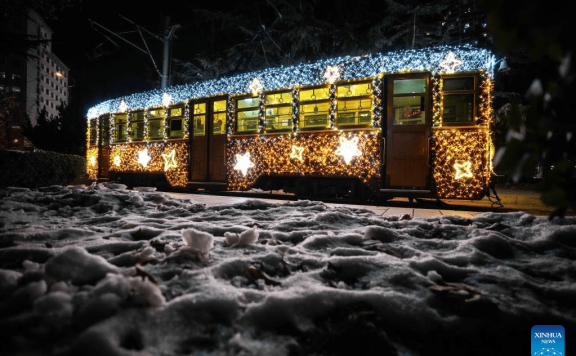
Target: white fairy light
[
  {"x": 305, "y": 74},
  {"x": 143, "y": 157},
  {"x": 348, "y": 149},
  {"x": 117, "y": 161},
  {"x": 255, "y": 86},
  {"x": 243, "y": 163},
  {"x": 123, "y": 106},
  {"x": 331, "y": 74},
  {"x": 166, "y": 99},
  {"x": 93, "y": 160},
  {"x": 450, "y": 63}
]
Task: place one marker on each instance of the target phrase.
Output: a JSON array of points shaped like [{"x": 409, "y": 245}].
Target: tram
[{"x": 412, "y": 123}]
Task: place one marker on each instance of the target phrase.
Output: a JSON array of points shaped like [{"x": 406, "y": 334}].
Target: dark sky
[{"x": 102, "y": 70}]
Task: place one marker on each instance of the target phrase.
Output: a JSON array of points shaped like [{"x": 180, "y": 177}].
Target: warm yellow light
[
  {"x": 117, "y": 161},
  {"x": 169, "y": 160},
  {"x": 463, "y": 170},
  {"x": 93, "y": 160},
  {"x": 243, "y": 163},
  {"x": 332, "y": 74},
  {"x": 255, "y": 86},
  {"x": 143, "y": 157},
  {"x": 297, "y": 153},
  {"x": 348, "y": 149},
  {"x": 450, "y": 63}
]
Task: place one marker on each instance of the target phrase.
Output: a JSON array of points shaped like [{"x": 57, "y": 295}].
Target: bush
[{"x": 39, "y": 168}]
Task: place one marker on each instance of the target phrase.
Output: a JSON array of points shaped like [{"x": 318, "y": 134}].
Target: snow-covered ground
[{"x": 106, "y": 271}]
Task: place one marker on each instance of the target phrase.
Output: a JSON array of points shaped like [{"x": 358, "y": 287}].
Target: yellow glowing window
[
  {"x": 157, "y": 113},
  {"x": 199, "y": 108},
  {"x": 156, "y": 129},
  {"x": 349, "y": 90},
  {"x": 458, "y": 104},
  {"x": 278, "y": 118},
  {"x": 247, "y": 121},
  {"x": 354, "y": 112},
  {"x": 93, "y": 131},
  {"x": 137, "y": 130},
  {"x": 314, "y": 94},
  {"x": 219, "y": 125},
  {"x": 278, "y": 98},
  {"x": 248, "y": 103},
  {"x": 315, "y": 115},
  {"x": 199, "y": 123},
  {"x": 219, "y": 106},
  {"x": 176, "y": 112},
  {"x": 120, "y": 127}
]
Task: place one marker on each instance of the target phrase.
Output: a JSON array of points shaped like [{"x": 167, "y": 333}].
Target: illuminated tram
[{"x": 412, "y": 123}]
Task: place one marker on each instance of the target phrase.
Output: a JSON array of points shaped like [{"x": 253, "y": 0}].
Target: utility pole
[{"x": 166, "y": 39}]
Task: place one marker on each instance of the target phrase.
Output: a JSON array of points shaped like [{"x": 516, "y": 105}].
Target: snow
[{"x": 106, "y": 271}]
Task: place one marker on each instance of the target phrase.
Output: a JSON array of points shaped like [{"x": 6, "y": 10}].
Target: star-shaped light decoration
[
  {"x": 463, "y": 170},
  {"x": 143, "y": 157},
  {"x": 332, "y": 74},
  {"x": 255, "y": 86},
  {"x": 93, "y": 160},
  {"x": 348, "y": 149},
  {"x": 243, "y": 163},
  {"x": 166, "y": 99},
  {"x": 450, "y": 63},
  {"x": 123, "y": 106},
  {"x": 169, "y": 160},
  {"x": 117, "y": 161},
  {"x": 297, "y": 153}
]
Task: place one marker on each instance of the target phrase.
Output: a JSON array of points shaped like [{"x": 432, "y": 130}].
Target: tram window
[
  {"x": 278, "y": 111},
  {"x": 452, "y": 84},
  {"x": 247, "y": 121},
  {"x": 354, "y": 112},
  {"x": 458, "y": 103},
  {"x": 354, "y": 104},
  {"x": 314, "y": 108},
  {"x": 157, "y": 113},
  {"x": 247, "y": 116},
  {"x": 137, "y": 126},
  {"x": 155, "y": 129},
  {"x": 348, "y": 90},
  {"x": 199, "y": 119},
  {"x": 409, "y": 110},
  {"x": 120, "y": 127},
  {"x": 93, "y": 132},
  {"x": 176, "y": 122},
  {"x": 219, "y": 118},
  {"x": 409, "y": 86},
  {"x": 105, "y": 130}
]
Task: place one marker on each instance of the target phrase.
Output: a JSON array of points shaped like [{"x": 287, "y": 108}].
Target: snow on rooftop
[
  {"x": 94, "y": 271},
  {"x": 352, "y": 67}
]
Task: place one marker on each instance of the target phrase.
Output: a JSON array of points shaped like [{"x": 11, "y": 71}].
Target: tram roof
[{"x": 441, "y": 59}]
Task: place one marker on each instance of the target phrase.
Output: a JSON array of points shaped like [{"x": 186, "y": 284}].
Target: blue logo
[{"x": 548, "y": 340}]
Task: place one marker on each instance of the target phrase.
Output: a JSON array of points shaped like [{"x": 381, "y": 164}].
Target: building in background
[{"x": 30, "y": 72}]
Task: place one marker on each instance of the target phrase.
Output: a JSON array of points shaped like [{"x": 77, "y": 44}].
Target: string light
[
  {"x": 169, "y": 160},
  {"x": 463, "y": 170},
  {"x": 243, "y": 163},
  {"x": 92, "y": 169},
  {"x": 297, "y": 153},
  {"x": 304, "y": 74},
  {"x": 143, "y": 157},
  {"x": 331, "y": 74},
  {"x": 348, "y": 148},
  {"x": 255, "y": 86},
  {"x": 128, "y": 153},
  {"x": 117, "y": 161}
]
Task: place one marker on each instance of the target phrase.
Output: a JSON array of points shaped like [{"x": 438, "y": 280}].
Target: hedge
[{"x": 39, "y": 168}]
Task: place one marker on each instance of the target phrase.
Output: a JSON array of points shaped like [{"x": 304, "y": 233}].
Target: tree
[{"x": 544, "y": 134}]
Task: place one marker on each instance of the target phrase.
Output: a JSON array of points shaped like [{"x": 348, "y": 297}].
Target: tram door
[
  {"x": 408, "y": 130},
  {"x": 103, "y": 146},
  {"x": 208, "y": 141}
]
